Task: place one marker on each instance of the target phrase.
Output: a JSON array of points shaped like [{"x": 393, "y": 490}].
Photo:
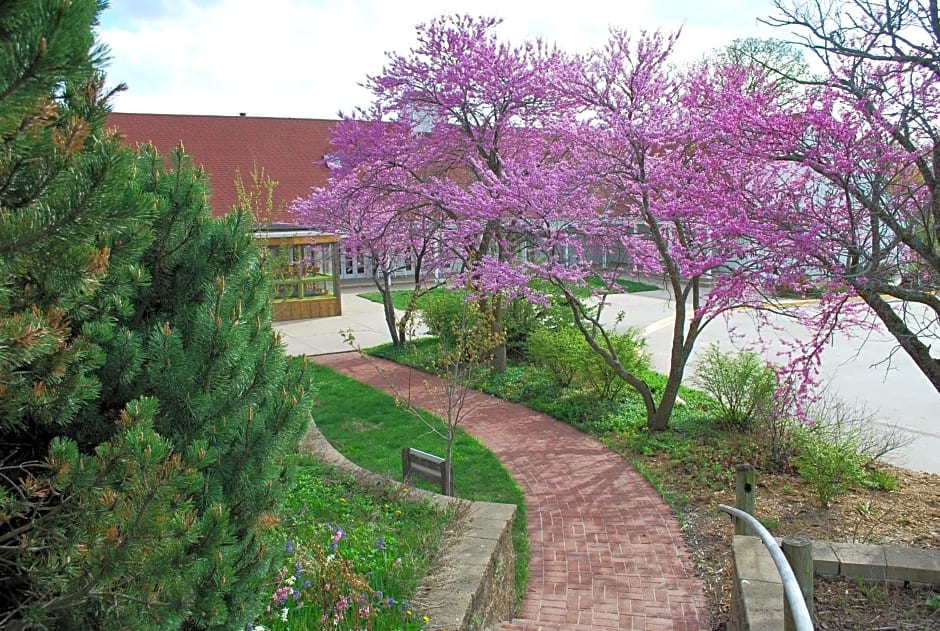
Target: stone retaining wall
[
  {"x": 473, "y": 586},
  {"x": 757, "y": 598}
]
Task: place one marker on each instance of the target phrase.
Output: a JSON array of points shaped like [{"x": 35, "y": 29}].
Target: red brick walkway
[{"x": 606, "y": 552}]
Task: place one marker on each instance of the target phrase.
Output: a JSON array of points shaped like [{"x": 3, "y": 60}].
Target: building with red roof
[{"x": 290, "y": 150}]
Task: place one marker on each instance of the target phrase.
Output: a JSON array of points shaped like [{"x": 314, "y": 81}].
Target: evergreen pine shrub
[{"x": 146, "y": 402}]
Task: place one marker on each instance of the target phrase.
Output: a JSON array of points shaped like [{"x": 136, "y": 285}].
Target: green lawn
[
  {"x": 370, "y": 429},
  {"x": 401, "y": 297},
  {"x": 628, "y": 286}
]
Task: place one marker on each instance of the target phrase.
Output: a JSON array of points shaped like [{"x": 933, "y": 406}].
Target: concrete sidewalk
[{"x": 364, "y": 319}]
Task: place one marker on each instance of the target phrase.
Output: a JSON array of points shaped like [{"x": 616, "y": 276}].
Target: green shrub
[
  {"x": 520, "y": 319},
  {"x": 597, "y": 373},
  {"x": 568, "y": 358},
  {"x": 556, "y": 351},
  {"x": 881, "y": 480},
  {"x": 445, "y": 314},
  {"x": 742, "y": 384},
  {"x": 829, "y": 464}
]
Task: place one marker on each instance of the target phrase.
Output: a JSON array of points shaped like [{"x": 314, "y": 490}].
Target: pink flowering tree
[
  {"x": 515, "y": 162},
  {"x": 461, "y": 104},
  {"x": 378, "y": 208},
  {"x": 674, "y": 195},
  {"x": 865, "y": 152}
]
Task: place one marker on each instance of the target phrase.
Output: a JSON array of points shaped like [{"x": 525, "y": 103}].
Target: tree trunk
[
  {"x": 495, "y": 308},
  {"x": 449, "y": 463},
  {"x": 660, "y": 418},
  {"x": 607, "y": 353},
  {"x": 499, "y": 353},
  {"x": 382, "y": 280},
  {"x": 682, "y": 342},
  {"x": 908, "y": 340}
]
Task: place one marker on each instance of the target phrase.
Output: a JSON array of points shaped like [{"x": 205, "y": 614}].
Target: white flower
[
  {"x": 290, "y": 580},
  {"x": 284, "y": 614}
]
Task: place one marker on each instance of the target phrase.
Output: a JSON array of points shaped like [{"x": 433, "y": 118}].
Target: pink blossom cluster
[{"x": 501, "y": 163}]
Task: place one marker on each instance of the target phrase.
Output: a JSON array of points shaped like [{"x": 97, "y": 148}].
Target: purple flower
[
  {"x": 337, "y": 535},
  {"x": 381, "y": 543},
  {"x": 280, "y": 596},
  {"x": 289, "y": 547}
]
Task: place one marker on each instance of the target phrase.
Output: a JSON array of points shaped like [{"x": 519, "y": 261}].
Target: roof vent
[{"x": 242, "y": 113}]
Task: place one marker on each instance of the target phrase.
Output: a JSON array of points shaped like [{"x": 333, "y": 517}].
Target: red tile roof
[{"x": 287, "y": 149}]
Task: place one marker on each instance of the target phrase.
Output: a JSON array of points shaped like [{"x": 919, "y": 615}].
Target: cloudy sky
[{"x": 305, "y": 58}]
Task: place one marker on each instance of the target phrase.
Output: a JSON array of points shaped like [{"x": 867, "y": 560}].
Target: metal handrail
[{"x": 791, "y": 588}]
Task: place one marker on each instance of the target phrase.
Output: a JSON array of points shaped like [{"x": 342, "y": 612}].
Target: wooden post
[
  {"x": 744, "y": 478},
  {"x": 337, "y": 290},
  {"x": 799, "y": 552}
]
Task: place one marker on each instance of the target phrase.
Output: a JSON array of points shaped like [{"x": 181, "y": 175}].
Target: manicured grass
[
  {"x": 401, "y": 297},
  {"x": 370, "y": 428},
  {"x": 627, "y": 285},
  {"x": 333, "y": 537}
]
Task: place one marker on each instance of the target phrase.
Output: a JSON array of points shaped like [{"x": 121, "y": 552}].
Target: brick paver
[{"x": 606, "y": 551}]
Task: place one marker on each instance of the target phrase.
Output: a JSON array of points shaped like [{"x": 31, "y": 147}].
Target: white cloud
[{"x": 305, "y": 58}]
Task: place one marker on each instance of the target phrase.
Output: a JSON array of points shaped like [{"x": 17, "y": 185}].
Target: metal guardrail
[{"x": 791, "y": 589}]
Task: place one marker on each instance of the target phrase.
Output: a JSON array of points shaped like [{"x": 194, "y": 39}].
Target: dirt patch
[
  {"x": 363, "y": 427},
  {"x": 847, "y": 604},
  {"x": 907, "y": 516}
]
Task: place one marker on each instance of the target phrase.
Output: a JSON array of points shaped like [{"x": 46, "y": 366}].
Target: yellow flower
[
  {"x": 426, "y": 619},
  {"x": 409, "y": 612},
  {"x": 343, "y": 500}
]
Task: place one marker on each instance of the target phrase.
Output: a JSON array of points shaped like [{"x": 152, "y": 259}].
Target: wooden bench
[{"x": 415, "y": 463}]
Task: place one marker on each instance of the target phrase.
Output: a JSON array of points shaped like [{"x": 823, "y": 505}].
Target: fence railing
[{"x": 802, "y": 621}]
